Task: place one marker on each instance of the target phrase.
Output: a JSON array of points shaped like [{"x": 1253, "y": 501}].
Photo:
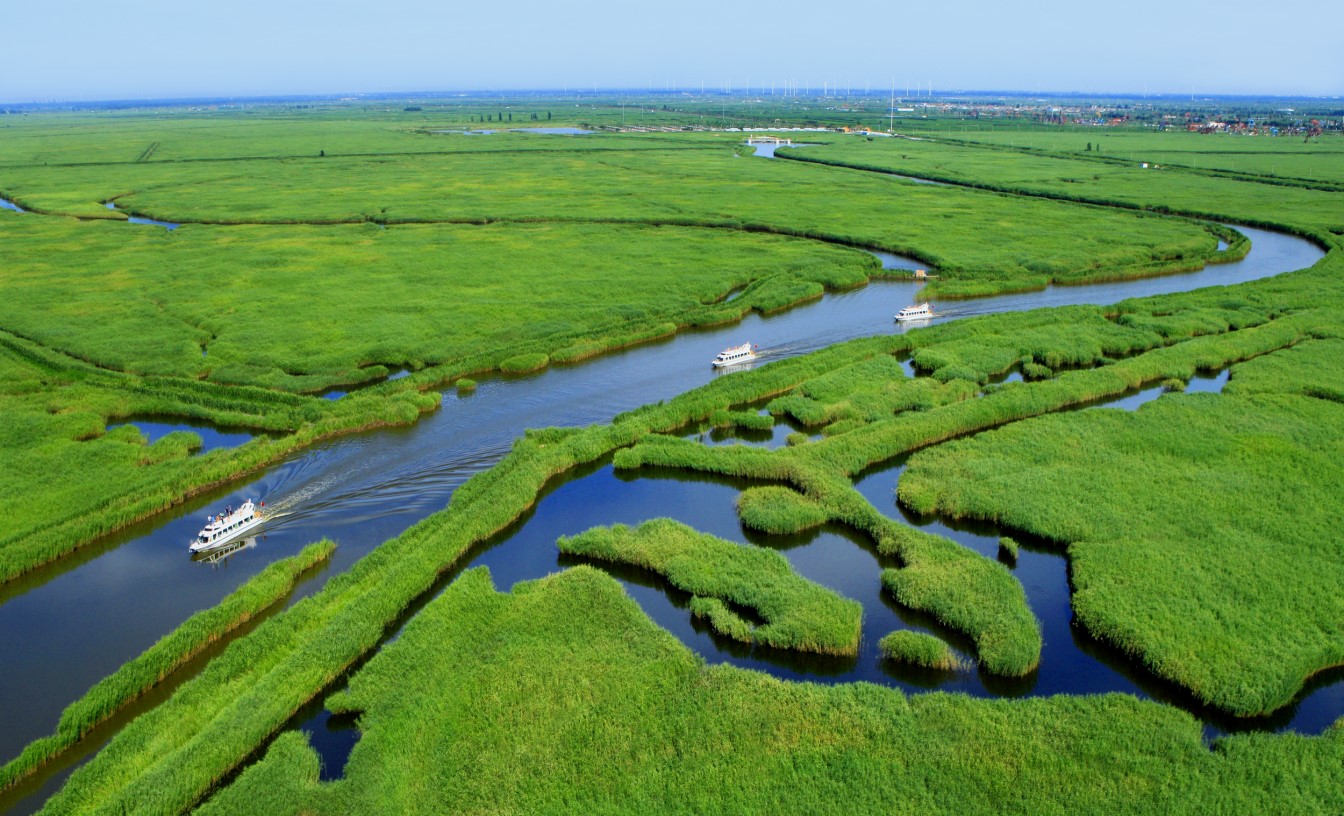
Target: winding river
[{"x": 74, "y": 622}]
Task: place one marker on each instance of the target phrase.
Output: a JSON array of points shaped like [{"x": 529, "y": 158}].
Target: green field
[
  {"x": 303, "y": 308},
  {"x": 590, "y": 180},
  {"x": 1199, "y": 530},
  {"x": 292, "y": 306},
  {"x": 1287, "y": 158},
  {"x": 1086, "y": 178}
]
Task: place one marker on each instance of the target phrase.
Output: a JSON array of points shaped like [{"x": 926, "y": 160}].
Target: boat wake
[{"x": 287, "y": 504}]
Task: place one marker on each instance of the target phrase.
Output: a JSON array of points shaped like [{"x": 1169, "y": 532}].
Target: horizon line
[{"x": 788, "y": 91}]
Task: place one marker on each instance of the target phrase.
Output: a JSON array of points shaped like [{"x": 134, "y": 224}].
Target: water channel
[
  {"x": 135, "y": 219},
  {"x": 71, "y": 624}
]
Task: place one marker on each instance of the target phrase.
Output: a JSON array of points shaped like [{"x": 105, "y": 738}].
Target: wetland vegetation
[
  {"x": 519, "y": 674},
  {"x": 722, "y": 577},
  {"x": 335, "y": 249},
  {"x": 165, "y": 657}
]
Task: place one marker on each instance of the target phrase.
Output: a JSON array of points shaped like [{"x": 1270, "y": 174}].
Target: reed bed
[
  {"x": 158, "y": 662},
  {"x": 291, "y": 657},
  {"x": 510, "y": 676},
  {"x": 955, "y": 585},
  {"x": 57, "y": 408},
  {"x": 919, "y": 649},
  {"x": 1227, "y": 503},
  {"x": 795, "y": 613},
  {"x": 567, "y": 674},
  {"x": 1088, "y": 181},
  {"x": 779, "y": 510}
]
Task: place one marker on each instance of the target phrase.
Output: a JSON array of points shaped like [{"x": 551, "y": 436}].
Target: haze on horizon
[{"x": 86, "y": 51}]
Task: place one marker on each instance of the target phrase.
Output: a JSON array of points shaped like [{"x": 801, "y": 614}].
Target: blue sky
[{"x": 153, "y": 49}]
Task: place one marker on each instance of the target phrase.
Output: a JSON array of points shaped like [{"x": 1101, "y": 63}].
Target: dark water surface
[
  {"x": 69, "y": 625},
  {"x": 212, "y": 437}
]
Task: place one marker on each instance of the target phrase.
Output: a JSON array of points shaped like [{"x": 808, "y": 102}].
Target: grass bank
[
  {"x": 567, "y": 674},
  {"x": 56, "y": 410},
  {"x": 250, "y": 691},
  {"x": 795, "y": 613},
  {"x": 159, "y": 661},
  {"x": 1228, "y": 503}
]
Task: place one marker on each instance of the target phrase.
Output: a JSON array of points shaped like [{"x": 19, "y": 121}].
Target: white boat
[
  {"x": 225, "y": 527},
  {"x": 744, "y": 353},
  {"x": 920, "y": 312}
]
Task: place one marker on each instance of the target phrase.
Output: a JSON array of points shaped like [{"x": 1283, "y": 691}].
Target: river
[{"x": 69, "y": 625}]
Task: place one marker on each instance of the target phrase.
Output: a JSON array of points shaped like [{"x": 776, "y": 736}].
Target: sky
[{"x": 76, "y": 50}]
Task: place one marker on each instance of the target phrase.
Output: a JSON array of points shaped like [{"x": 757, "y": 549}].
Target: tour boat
[
  {"x": 225, "y": 527},
  {"x": 744, "y": 353},
  {"x": 920, "y": 312}
]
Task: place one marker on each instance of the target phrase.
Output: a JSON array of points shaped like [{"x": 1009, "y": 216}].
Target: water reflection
[
  {"x": 766, "y": 150},
  {"x": 553, "y": 131},
  {"x": 219, "y": 556},
  {"x": 135, "y": 219},
  {"x": 212, "y": 437}
]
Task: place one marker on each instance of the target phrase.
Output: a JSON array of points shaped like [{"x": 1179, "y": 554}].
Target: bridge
[{"x": 774, "y": 140}]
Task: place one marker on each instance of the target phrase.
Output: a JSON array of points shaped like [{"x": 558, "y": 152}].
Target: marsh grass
[
  {"x": 742, "y": 419},
  {"x": 439, "y": 304},
  {"x": 1314, "y": 368},
  {"x": 56, "y": 408},
  {"x": 292, "y": 656},
  {"x": 159, "y": 661},
  {"x": 524, "y": 363},
  {"x": 1083, "y": 180},
  {"x": 967, "y": 234},
  {"x": 510, "y": 676},
  {"x": 959, "y": 587},
  {"x": 1226, "y": 504},
  {"x": 919, "y": 649},
  {"x": 797, "y": 613},
  {"x": 779, "y": 510},
  {"x": 567, "y": 674}
]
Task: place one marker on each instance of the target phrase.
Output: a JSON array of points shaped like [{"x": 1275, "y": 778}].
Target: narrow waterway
[
  {"x": 67, "y": 626},
  {"x": 135, "y": 219},
  {"x": 1072, "y": 662}
]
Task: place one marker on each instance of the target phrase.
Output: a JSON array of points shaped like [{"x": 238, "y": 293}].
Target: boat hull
[{"x": 733, "y": 362}]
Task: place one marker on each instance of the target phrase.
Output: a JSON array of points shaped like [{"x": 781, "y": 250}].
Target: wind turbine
[{"x": 891, "y": 111}]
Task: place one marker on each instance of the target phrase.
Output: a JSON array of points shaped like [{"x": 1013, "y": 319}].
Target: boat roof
[{"x": 219, "y": 518}]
